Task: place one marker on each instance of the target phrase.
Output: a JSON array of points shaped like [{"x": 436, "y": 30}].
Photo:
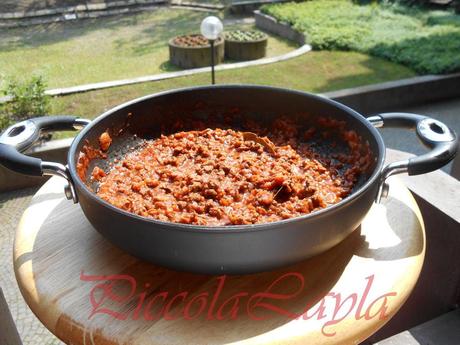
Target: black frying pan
[{"x": 229, "y": 249}]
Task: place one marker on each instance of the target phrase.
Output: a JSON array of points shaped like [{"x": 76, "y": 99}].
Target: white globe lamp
[{"x": 211, "y": 28}]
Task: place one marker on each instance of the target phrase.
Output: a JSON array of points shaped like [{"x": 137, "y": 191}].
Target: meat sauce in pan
[{"x": 223, "y": 176}]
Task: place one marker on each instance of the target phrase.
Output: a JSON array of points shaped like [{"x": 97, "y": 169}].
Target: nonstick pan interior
[{"x": 147, "y": 119}]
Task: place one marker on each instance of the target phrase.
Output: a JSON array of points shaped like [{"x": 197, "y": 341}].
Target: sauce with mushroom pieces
[{"x": 218, "y": 176}]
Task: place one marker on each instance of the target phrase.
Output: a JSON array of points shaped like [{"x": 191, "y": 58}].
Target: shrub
[
  {"x": 28, "y": 99},
  {"x": 424, "y": 40}
]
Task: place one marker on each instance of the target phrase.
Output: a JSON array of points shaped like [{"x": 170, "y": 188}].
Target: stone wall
[
  {"x": 30, "y": 12},
  {"x": 33, "y": 5}
]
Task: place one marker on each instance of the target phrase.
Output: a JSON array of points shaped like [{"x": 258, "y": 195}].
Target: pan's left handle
[{"x": 22, "y": 135}]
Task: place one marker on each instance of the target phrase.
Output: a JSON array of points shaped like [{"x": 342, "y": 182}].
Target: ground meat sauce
[{"x": 221, "y": 176}]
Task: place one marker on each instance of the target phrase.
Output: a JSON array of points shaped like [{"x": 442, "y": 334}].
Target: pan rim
[{"x": 328, "y": 211}]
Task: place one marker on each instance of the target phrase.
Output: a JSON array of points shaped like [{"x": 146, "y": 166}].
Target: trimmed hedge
[{"x": 425, "y": 40}]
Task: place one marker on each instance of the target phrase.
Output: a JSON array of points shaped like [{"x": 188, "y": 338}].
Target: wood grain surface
[{"x": 86, "y": 291}]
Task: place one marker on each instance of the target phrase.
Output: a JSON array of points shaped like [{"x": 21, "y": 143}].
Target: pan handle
[
  {"x": 434, "y": 134},
  {"x": 22, "y": 135}
]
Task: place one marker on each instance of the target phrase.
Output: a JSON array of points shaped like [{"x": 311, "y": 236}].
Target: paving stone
[
  {"x": 443, "y": 330},
  {"x": 32, "y": 332}
]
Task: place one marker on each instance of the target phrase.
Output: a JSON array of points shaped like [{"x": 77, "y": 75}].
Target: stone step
[
  {"x": 443, "y": 330},
  {"x": 78, "y": 13},
  {"x": 88, "y": 7}
]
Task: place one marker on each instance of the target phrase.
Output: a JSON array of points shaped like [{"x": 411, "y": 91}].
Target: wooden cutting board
[{"x": 86, "y": 291}]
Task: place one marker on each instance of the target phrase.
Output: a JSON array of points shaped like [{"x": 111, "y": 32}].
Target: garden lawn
[
  {"x": 314, "y": 72},
  {"x": 87, "y": 51},
  {"x": 425, "y": 40}
]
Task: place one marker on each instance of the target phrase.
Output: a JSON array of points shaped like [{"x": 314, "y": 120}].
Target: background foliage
[
  {"x": 427, "y": 41},
  {"x": 28, "y": 99}
]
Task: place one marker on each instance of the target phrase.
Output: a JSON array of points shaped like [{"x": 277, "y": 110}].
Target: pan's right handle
[
  {"x": 19, "y": 137},
  {"x": 434, "y": 134}
]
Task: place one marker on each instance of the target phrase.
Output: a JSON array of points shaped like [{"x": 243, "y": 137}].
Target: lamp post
[{"x": 211, "y": 28}]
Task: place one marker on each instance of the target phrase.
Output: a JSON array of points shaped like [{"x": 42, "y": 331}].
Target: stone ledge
[
  {"x": 270, "y": 24},
  {"x": 191, "y": 4},
  {"x": 77, "y": 8},
  {"x": 248, "y": 6},
  {"x": 399, "y": 93},
  {"x": 443, "y": 330},
  {"x": 45, "y": 16}
]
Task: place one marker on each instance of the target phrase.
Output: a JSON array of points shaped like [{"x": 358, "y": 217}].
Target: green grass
[
  {"x": 314, "y": 72},
  {"x": 426, "y": 41},
  {"x": 87, "y": 51}
]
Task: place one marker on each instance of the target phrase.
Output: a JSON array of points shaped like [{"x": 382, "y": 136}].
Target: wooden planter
[
  {"x": 195, "y": 57},
  {"x": 245, "y": 50}
]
